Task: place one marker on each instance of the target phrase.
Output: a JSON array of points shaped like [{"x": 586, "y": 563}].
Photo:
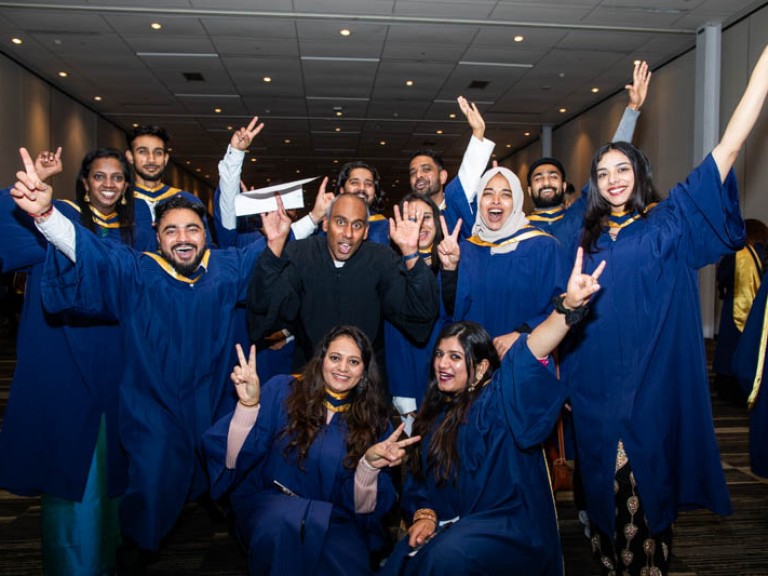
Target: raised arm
[
  {"x": 636, "y": 94},
  {"x": 230, "y": 170},
  {"x": 744, "y": 117}
]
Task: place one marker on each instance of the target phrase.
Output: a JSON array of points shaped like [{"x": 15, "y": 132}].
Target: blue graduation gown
[
  {"x": 638, "y": 372},
  {"x": 178, "y": 338},
  {"x": 504, "y": 291},
  {"x": 66, "y": 378},
  {"x": 314, "y": 532},
  {"x": 378, "y": 229},
  {"x": 502, "y": 496},
  {"x": 457, "y": 206},
  {"x": 566, "y": 227},
  {"x": 745, "y": 360},
  {"x": 408, "y": 361}
]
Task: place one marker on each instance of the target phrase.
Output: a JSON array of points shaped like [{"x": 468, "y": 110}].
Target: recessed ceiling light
[
  {"x": 217, "y": 110},
  {"x": 409, "y": 82},
  {"x": 17, "y": 41},
  {"x": 526, "y": 133},
  {"x": 287, "y": 140},
  {"x": 298, "y": 171},
  {"x": 269, "y": 180},
  {"x": 207, "y": 175},
  {"x": 267, "y": 79},
  {"x": 198, "y": 169},
  {"x": 518, "y": 38},
  {"x": 438, "y": 131},
  {"x": 63, "y": 74},
  {"x": 156, "y": 26},
  {"x": 563, "y": 110},
  {"x": 187, "y": 162},
  {"x": 509, "y": 145},
  {"x": 335, "y": 161},
  {"x": 452, "y": 115},
  {"x": 595, "y": 90},
  {"x": 339, "y": 113},
  {"x": 253, "y": 159},
  {"x": 338, "y": 129},
  {"x": 345, "y": 32},
  {"x": 229, "y": 127},
  {"x": 97, "y": 98},
  {"x": 135, "y": 125},
  {"x": 383, "y": 143}
]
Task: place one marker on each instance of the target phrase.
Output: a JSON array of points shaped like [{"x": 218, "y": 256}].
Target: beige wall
[{"x": 39, "y": 117}]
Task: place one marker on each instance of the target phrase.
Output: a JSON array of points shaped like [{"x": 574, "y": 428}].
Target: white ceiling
[{"x": 569, "y": 47}]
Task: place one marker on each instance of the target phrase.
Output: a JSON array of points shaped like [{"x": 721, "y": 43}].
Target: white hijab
[{"x": 514, "y": 221}]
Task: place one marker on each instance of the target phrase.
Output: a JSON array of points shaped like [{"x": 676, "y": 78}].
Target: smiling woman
[{"x": 303, "y": 473}]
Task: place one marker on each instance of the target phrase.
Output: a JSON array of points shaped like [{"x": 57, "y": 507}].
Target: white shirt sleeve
[
  {"x": 473, "y": 164},
  {"x": 230, "y": 170},
  {"x": 60, "y": 232},
  {"x": 303, "y": 228}
]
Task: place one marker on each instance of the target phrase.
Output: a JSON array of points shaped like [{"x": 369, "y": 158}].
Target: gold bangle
[
  {"x": 253, "y": 405},
  {"x": 425, "y": 514}
]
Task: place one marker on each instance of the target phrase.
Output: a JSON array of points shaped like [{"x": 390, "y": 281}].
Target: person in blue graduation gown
[
  {"x": 408, "y": 361},
  {"x": 301, "y": 461},
  {"x": 638, "y": 377},
  {"x": 509, "y": 271},
  {"x": 750, "y": 365},
  {"x": 176, "y": 309},
  {"x": 60, "y": 432},
  {"x": 148, "y": 156},
  {"x": 478, "y": 489}
]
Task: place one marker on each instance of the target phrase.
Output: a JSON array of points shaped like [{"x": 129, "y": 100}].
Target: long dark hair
[
  {"x": 598, "y": 208},
  {"x": 443, "y": 459},
  {"x": 412, "y": 197},
  {"x": 124, "y": 206},
  {"x": 367, "y": 417}
]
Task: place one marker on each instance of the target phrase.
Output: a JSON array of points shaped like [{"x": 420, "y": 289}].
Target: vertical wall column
[
  {"x": 706, "y": 133},
  {"x": 546, "y": 140}
]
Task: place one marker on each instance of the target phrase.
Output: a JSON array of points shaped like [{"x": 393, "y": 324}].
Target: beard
[
  {"x": 550, "y": 201},
  {"x": 149, "y": 177},
  {"x": 183, "y": 268}
]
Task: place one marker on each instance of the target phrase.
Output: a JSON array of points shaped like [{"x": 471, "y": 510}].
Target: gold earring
[
  {"x": 87, "y": 198},
  {"x": 123, "y": 201}
]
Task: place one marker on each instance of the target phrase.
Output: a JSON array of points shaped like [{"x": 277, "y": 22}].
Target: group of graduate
[{"x": 138, "y": 322}]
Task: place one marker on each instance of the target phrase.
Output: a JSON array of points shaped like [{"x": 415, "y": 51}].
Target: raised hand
[
  {"x": 404, "y": 230},
  {"x": 245, "y": 378},
  {"x": 29, "y": 192},
  {"x": 474, "y": 118},
  {"x": 448, "y": 250},
  {"x": 243, "y": 137},
  {"x": 276, "y": 226},
  {"x": 49, "y": 164},
  {"x": 322, "y": 202},
  {"x": 390, "y": 452},
  {"x": 581, "y": 286},
  {"x": 638, "y": 90}
]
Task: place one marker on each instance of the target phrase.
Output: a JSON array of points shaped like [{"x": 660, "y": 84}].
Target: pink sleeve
[
  {"x": 366, "y": 480},
  {"x": 242, "y": 421}
]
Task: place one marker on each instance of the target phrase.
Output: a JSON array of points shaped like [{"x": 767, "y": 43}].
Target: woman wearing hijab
[{"x": 509, "y": 270}]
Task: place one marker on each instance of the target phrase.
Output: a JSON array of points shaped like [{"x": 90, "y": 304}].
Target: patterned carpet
[{"x": 704, "y": 544}]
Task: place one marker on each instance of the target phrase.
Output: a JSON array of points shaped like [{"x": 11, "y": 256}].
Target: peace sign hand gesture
[
  {"x": 391, "y": 451},
  {"x": 29, "y": 192},
  {"x": 448, "y": 250},
  {"x": 245, "y": 378},
  {"x": 244, "y": 136}
]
